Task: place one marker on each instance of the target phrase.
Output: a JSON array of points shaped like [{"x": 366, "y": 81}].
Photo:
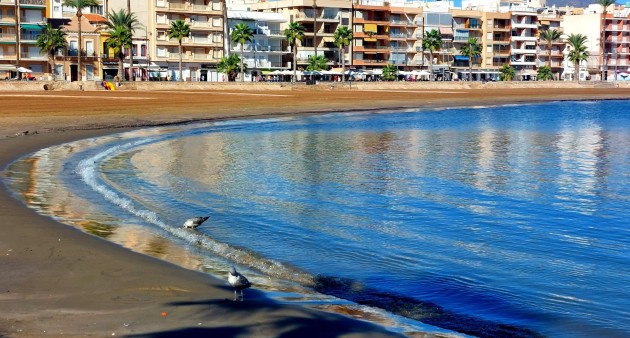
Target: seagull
[
  {"x": 238, "y": 282},
  {"x": 195, "y": 222}
]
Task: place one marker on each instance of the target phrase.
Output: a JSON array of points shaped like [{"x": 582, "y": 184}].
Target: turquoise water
[{"x": 490, "y": 221}]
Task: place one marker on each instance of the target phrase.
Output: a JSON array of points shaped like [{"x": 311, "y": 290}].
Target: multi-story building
[
  {"x": 370, "y": 30},
  {"x": 589, "y": 25},
  {"x": 8, "y": 35},
  {"x": 496, "y": 41},
  {"x": 201, "y": 51},
  {"x": 442, "y": 21},
  {"x": 616, "y": 51},
  {"x": 523, "y": 47},
  {"x": 265, "y": 52},
  {"x": 467, "y": 24},
  {"x": 405, "y": 35},
  {"x": 67, "y": 65},
  {"x": 320, "y": 19},
  {"x": 550, "y": 53}
]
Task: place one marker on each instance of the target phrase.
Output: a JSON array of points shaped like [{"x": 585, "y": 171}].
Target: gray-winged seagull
[
  {"x": 194, "y": 222},
  {"x": 238, "y": 282}
]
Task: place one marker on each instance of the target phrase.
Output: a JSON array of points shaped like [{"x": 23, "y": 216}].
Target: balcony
[
  {"x": 7, "y": 2},
  {"x": 203, "y": 57},
  {"x": 33, "y": 56},
  {"x": 524, "y": 50},
  {"x": 29, "y": 37},
  {"x": 6, "y": 37},
  {"x": 7, "y": 21},
  {"x": 206, "y": 9},
  {"x": 33, "y": 3},
  {"x": 269, "y": 32},
  {"x": 375, "y": 62}
]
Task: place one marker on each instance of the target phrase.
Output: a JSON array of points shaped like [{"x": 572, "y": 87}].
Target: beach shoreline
[{"x": 61, "y": 281}]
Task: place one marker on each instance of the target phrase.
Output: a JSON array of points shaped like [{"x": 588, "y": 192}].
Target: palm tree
[
  {"x": 544, "y": 74},
  {"x": 230, "y": 66},
  {"x": 432, "y": 41},
  {"x": 119, "y": 39},
  {"x": 578, "y": 52},
  {"x": 550, "y": 36},
  {"x": 79, "y": 5},
  {"x": 472, "y": 49},
  {"x": 242, "y": 33},
  {"x": 343, "y": 37},
  {"x": 294, "y": 33},
  {"x": 602, "y": 40},
  {"x": 506, "y": 73},
  {"x": 226, "y": 48},
  {"x": 179, "y": 29},
  {"x": 390, "y": 72},
  {"x": 49, "y": 42},
  {"x": 315, "y": 26},
  {"x": 126, "y": 19},
  {"x": 316, "y": 63}
]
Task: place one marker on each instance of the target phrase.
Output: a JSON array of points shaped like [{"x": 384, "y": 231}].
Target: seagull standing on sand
[
  {"x": 195, "y": 222},
  {"x": 238, "y": 282}
]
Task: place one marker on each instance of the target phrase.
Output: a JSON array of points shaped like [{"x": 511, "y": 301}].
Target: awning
[
  {"x": 369, "y": 40},
  {"x": 460, "y": 57},
  {"x": 31, "y": 26},
  {"x": 24, "y": 70},
  {"x": 446, "y": 31},
  {"x": 529, "y": 72},
  {"x": 328, "y": 39},
  {"x": 369, "y": 27},
  {"x": 8, "y": 68}
]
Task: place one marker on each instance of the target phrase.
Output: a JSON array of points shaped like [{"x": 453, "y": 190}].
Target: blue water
[{"x": 491, "y": 221}]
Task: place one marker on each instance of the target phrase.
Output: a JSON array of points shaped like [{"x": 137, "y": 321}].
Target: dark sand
[{"x": 58, "y": 281}]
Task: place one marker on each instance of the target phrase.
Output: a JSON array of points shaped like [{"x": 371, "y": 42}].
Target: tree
[
  {"x": 242, "y": 33},
  {"x": 432, "y": 42},
  {"x": 343, "y": 38},
  {"x": 472, "y": 49},
  {"x": 50, "y": 41},
  {"x": 119, "y": 39},
  {"x": 294, "y": 33},
  {"x": 578, "y": 52},
  {"x": 79, "y": 5},
  {"x": 602, "y": 40},
  {"x": 317, "y": 62},
  {"x": 544, "y": 74},
  {"x": 550, "y": 36},
  {"x": 129, "y": 20},
  {"x": 179, "y": 29},
  {"x": 390, "y": 72},
  {"x": 506, "y": 73},
  {"x": 230, "y": 66}
]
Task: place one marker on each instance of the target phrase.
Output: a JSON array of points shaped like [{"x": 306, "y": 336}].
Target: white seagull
[
  {"x": 238, "y": 282},
  {"x": 195, "y": 222}
]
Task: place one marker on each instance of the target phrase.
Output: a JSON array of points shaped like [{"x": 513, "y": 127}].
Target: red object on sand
[{"x": 164, "y": 314}]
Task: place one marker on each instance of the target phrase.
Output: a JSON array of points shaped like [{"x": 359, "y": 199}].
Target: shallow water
[{"x": 492, "y": 221}]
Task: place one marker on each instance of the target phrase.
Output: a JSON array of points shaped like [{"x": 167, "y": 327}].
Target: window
[
  {"x": 161, "y": 52},
  {"x": 143, "y": 50},
  {"x": 135, "y": 50},
  {"x": 216, "y": 22},
  {"x": 488, "y": 36}
]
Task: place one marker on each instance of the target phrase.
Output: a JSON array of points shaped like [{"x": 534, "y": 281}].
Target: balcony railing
[
  {"x": 7, "y": 37},
  {"x": 29, "y": 36},
  {"x": 12, "y": 2},
  {"x": 33, "y": 2}
]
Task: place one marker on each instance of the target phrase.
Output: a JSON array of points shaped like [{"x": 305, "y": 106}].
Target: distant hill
[{"x": 574, "y": 3}]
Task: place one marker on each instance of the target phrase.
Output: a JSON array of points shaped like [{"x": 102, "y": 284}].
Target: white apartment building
[{"x": 265, "y": 52}]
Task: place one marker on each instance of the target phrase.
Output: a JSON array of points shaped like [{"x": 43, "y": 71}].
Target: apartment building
[
  {"x": 405, "y": 35},
  {"x": 21, "y": 23},
  {"x": 8, "y": 35},
  {"x": 589, "y": 25},
  {"x": 467, "y": 24},
  {"x": 616, "y": 51},
  {"x": 523, "y": 46},
  {"x": 201, "y": 51},
  {"x": 496, "y": 41},
  {"x": 266, "y": 51},
  {"x": 320, "y": 18},
  {"x": 551, "y": 53},
  {"x": 442, "y": 22}
]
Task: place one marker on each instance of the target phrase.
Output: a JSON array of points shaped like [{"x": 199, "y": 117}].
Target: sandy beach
[{"x": 59, "y": 281}]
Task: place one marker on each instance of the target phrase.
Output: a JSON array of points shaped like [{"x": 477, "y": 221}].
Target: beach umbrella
[{"x": 24, "y": 70}]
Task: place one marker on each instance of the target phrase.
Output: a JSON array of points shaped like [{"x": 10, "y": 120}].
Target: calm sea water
[{"x": 490, "y": 221}]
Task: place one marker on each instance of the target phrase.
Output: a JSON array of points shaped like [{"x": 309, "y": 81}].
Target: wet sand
[{"x": 59, "y": 281}]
